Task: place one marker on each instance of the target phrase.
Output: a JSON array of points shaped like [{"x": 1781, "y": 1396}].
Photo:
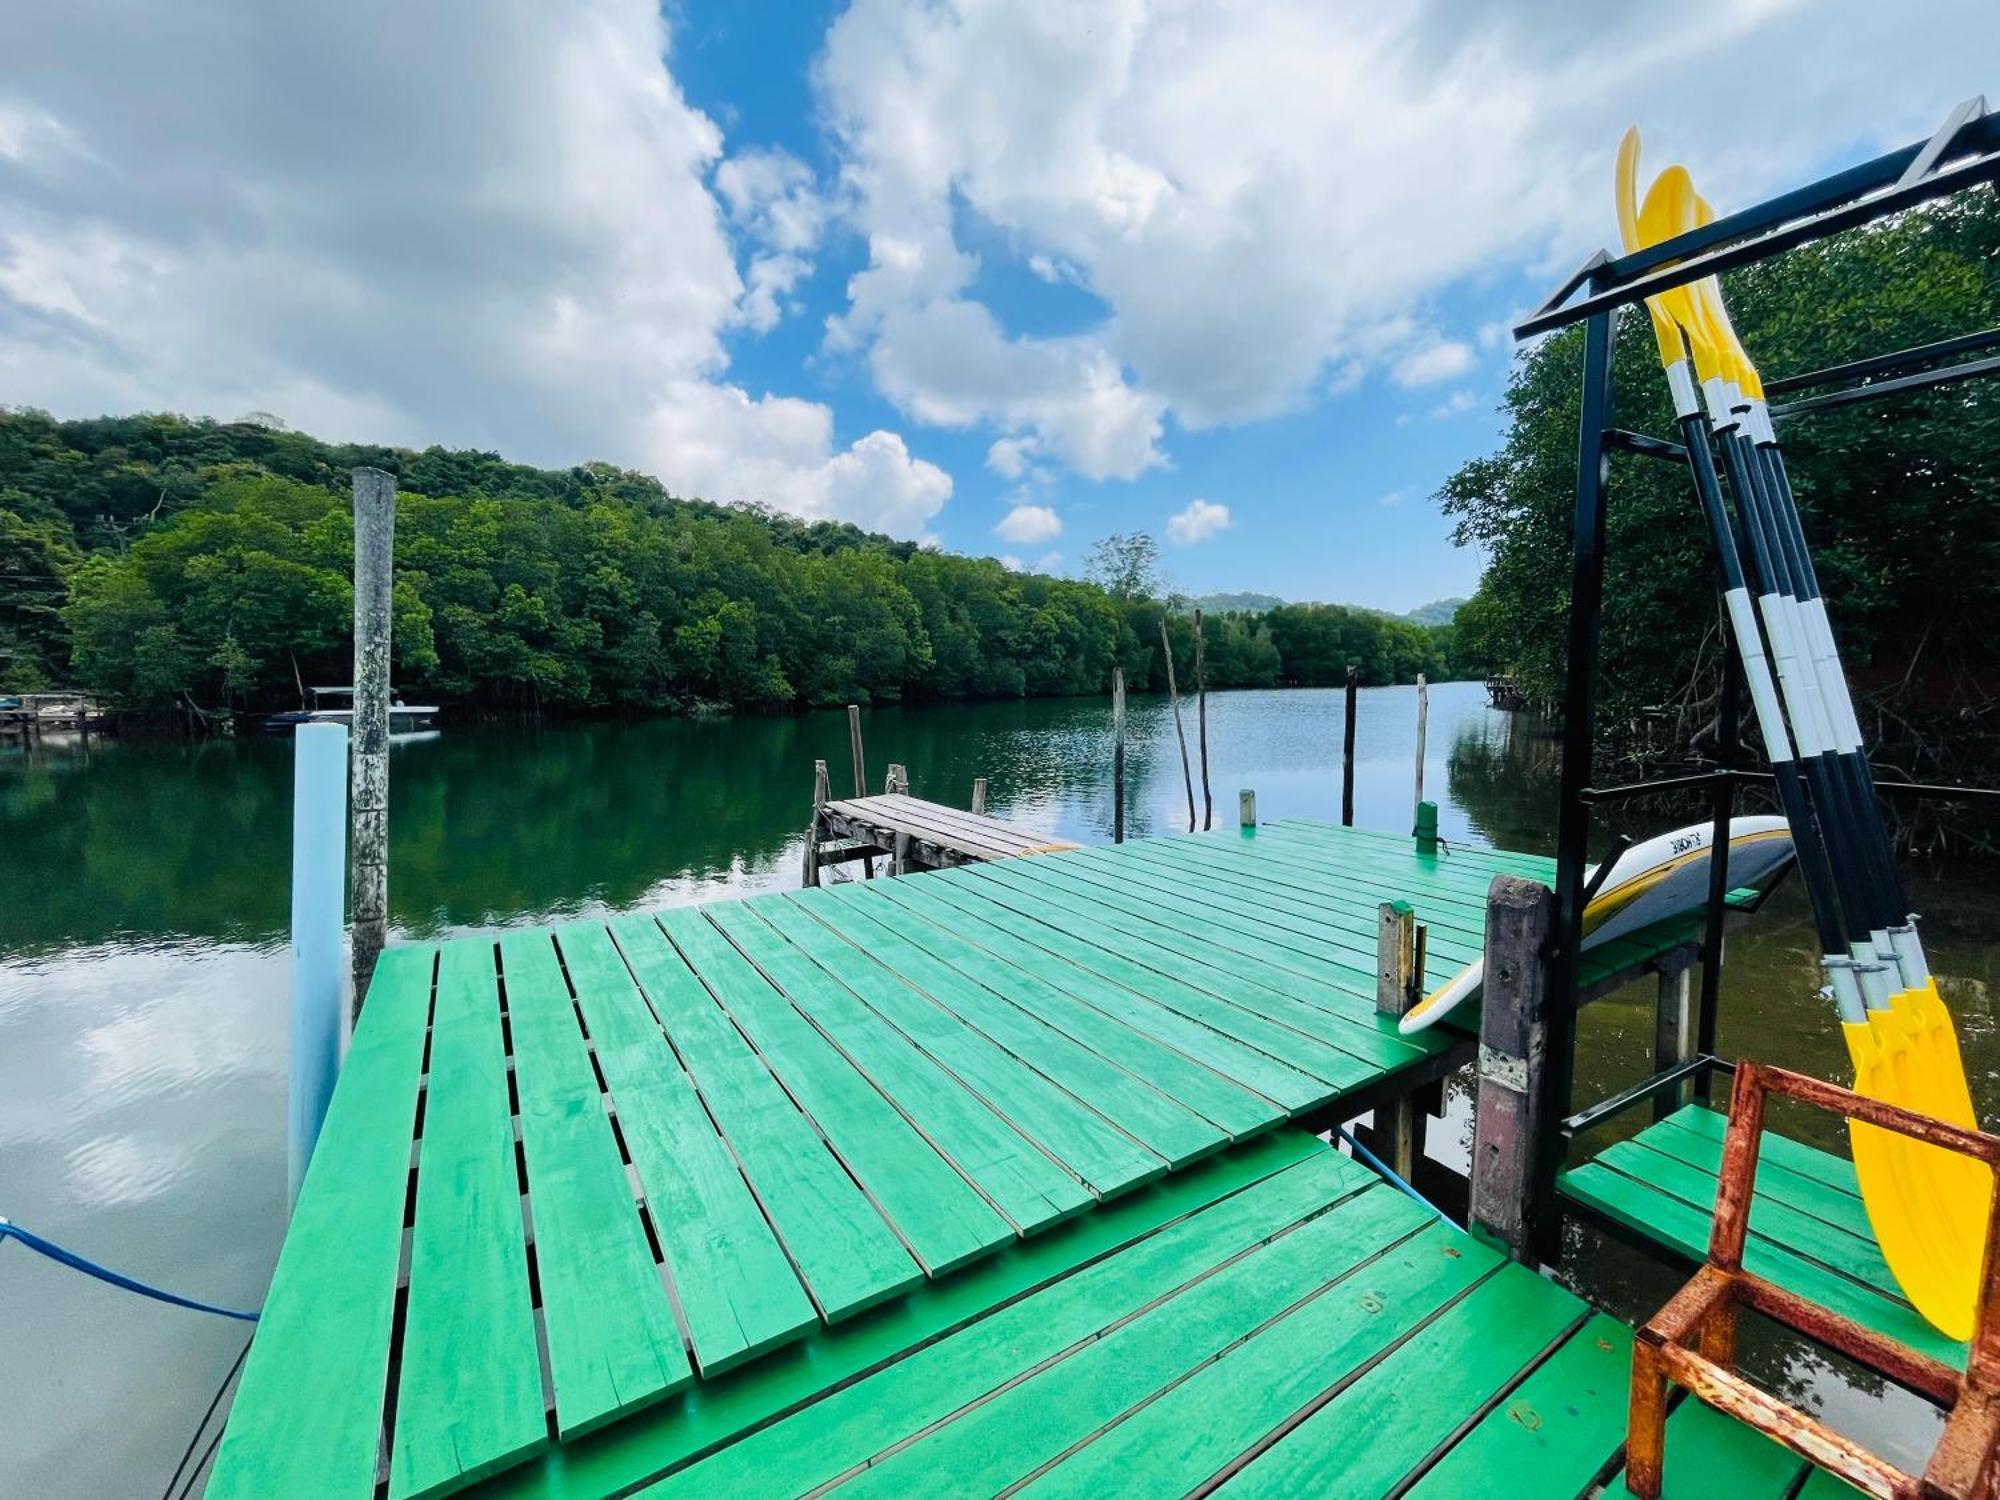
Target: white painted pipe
[{"x": 319, "y": 867}]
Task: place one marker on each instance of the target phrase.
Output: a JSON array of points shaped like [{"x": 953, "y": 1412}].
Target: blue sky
[{"x": 994, "y": 274}]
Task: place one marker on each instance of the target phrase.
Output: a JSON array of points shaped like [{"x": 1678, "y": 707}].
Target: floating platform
[{"x": 970, "y": 1178}]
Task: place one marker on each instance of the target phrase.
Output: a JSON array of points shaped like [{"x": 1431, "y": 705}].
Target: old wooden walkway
[
  {"x": 958, "y": 1182},
  {"x": 915, "y": 834}
]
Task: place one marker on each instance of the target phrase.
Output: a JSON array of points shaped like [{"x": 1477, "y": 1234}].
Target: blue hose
[
  {"x": 1389, "y": 1173},
  {"x": 77, "y": 1262}
]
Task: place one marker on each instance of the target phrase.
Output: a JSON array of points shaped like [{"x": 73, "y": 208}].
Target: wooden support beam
[
  {"x": 897, "y": 783},
  {"x": 368, "y": 795},
  {"x": 814, "y": 823},
  {"x": 1246, "y": 808},
  {"x": 860, "y": 771},
  {"x": 1347, "y": 752},
  {"x": 1513, "y": 1031},
  {"x": 1399, "y": 1123},
  {"x": 979, "y": 796},
  {"x": 1117, "y": 755}
]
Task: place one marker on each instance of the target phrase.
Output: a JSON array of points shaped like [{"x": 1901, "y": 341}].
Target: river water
[{"x": 144, "y": 895}]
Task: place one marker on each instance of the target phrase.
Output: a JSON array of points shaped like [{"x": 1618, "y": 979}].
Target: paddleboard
[{"x": 1651, "y": 882}]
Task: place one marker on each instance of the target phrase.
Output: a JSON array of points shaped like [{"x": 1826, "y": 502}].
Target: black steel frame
[{"x": 1964, "y": 152}]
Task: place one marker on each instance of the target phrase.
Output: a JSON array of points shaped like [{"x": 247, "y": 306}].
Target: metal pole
[
  {"x": 1423, "y": 728},
  {"x": 374, "y": 560},
  {"x": 1593, "y": 474},
  {"x": 1347, "y": 756},
  {"x": 1726, "y": 757},
  {"x": 319, "y": 862},
  {"x": 1201, "y": 719},
  {"x": 1117, "y": 755}
]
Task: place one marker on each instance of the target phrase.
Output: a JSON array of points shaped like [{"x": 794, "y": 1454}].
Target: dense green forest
[
  {"x": 174, "y": 564},
  {"x": 1900, "y": 500}
]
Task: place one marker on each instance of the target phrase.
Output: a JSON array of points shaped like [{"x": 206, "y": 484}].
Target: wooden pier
[{"x": 996, "y": 1177}]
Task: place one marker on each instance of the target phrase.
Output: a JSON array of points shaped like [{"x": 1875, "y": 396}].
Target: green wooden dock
[{"x": 965, "y": 1182}]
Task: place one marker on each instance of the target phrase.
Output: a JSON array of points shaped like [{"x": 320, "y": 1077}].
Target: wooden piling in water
[
  {"x": 860, "y": 771},
  {"x": 1347, "y": 754},
  {"x": 1423, "y": 728},
  {"x": 1398, "y": 986},
  {"x": 368, "y": 800},
  {"x": 820, "y": 790},
  {"x": 1201, "y": 720},
  {"x": 1246, "y": 808},
  {"x": 1513, "y": 1033},
  {"x": 895, "y": 784},
  {"x": 979, "y": 796},
  {"x": 1117, "y": 755},
  {"x": 1180, "y": 728}
]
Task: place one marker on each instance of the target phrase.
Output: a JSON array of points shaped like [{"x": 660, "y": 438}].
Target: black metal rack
[{"x": 1964, "y": 152}]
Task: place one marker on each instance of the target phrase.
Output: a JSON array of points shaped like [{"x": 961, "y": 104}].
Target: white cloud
[
  {"x": 1010, "y": 457},
  {"x": 298, "y": 217},
  {"x": 1012, "y": 563},
  {"x": 1445, "y": 360},
  {"x": 1393, "y": 498},
  {"x": 1197, "y": 522},
  {"x": 1025, "y": 525},
  {"x": 1270, "y": 198},
  {"x": 1457, "y": 404}
]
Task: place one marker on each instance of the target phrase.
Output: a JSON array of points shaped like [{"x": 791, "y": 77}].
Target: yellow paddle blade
[
  {"x": 1939, "y": 1278},
  {"x": 1715, "y": 313},
  {"x": 1927, "y": 1025},
  {"x": 1667, "y": 212},
  {"x": 1627, "y": 195}
]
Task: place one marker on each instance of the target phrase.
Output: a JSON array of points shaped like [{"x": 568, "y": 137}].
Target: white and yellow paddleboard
[{"x": 1662, "y": 878}]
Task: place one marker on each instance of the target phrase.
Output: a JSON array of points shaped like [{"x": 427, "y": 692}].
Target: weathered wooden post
[
  {"x": 979, "y": 796},
  {"x": 1400, "y": 1124},
  {"x": 860, "y": 771},
  {"x": 811, "y": 871},
  {"x": 319, "y": 901},
  {"x": 374, "y": 562},
  {"x": 1246, "y": 809},
  {"x": 1423, "y": 727},
  {"x": 1201, "y": 719},
  {"x": 1513, "y": 1042},
  {"x": 1180, "y": 729},
  {"x": 1117, "y": 755},
  {"x": 897, "y": 784},
  {"x": 1673, "y": 1028},
  {"x": 1347, "y": 753}
]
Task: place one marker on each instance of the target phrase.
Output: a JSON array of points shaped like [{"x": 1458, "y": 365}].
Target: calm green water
[{"x": 143, "y": 897}]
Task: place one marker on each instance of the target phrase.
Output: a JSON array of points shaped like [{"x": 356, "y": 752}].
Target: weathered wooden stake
[
  {"x": 1201, "y": 719},
  {"x": 1513, "y": 1028},
  {"x": 1423, "y": 726},
  {"x": 1347, "y": 754},
  {"x": 368, "y": 800},
  {"x": 1246, "y": 808},
  {"x": 1180, "y": 729},
  {"x": 979, "y": 796},
  {"x": 1399, "y": 1124},
  {"x": 1673, "y": 1034},
  {"x": 860, "y": 771},
  {"x": 897, "y": 784},
  {"x": 813, "y": 827},
  {"x": 1117, "y": 755}
]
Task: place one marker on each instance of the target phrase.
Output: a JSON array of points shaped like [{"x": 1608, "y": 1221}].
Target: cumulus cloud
[
  {"x": 1026, "y": 525},
  {"x": 1445, "y": 360},
  {"x": 480, "y": 224},
  {"x": 1270, "y": 198},
  {"x": 1197, "y": 522}
]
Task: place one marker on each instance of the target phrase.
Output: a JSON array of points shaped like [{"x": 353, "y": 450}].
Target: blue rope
[
  {"x": 1389, "y": 1173},
  {"x": 77, "y": 1262}
]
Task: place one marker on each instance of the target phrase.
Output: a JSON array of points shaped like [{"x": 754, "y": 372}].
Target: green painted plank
[
  {"x": 613, "y": 1342},
  {"x": 469, "y": 1396},
  {"x": 1151, "y": 1117},
  {"x": 1807, "y": 1194},
  {"x": 1025, "y": 1184},
  {"x": 1030, "y": 922},
  {"x": 307, "y": 1418},
  {"x": 1836, "y": 1172},
  {"x": 1285, "y": 1088},
  {"x": 1221, "y": 947},
  {"x": 940, "y": 1215},
  {"x": 1382, "y": 1425},
  {"x": 1540, "y": 867},
  {"x": 1821, "y": 1485},
  {"x": 1317, "y": 1035},
  {"x": 1772, "y": 1220},
  {"x": 699, "y": 1421},
  {"x": 848, "y": 1255},
  {"x": 1670, "y": 1222},
  {"x": 827, "y": 1439},
  {"x": 735, "y": 1286},
  {"x": 1193, "y": 1430},
  {"x": 1554, "y": 1433},
  {"x": 1710, "y": 1455},
  {"x": 1104, "y": 1157},
  {"x": 1209, "y": 1093},
  {"x": 1028, "y": 1425},
  {"x": 1452, "y": 887}
]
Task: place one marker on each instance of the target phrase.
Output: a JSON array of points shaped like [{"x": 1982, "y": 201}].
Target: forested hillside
[{"x": 170, "y": 563}]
